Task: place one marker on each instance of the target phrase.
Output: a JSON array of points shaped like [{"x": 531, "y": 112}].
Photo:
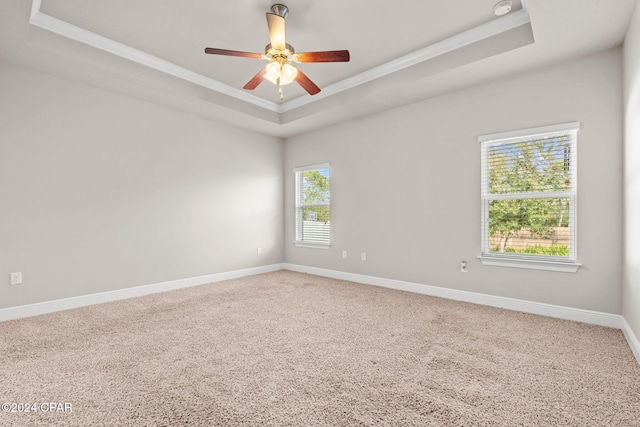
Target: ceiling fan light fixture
[
  {"x": 280, "y": 74},
  {"x": 279, "y": 54},
  {"x": 272, "y": 72},
  {"x": 288, "y": 74}
]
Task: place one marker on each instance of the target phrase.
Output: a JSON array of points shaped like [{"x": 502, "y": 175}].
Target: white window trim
[
  {"x": 302, "y": 243},
  {"x": 531, "y": 264},
  {"x": 525, "y": 133},
  {"x": 565, "y": 265}
]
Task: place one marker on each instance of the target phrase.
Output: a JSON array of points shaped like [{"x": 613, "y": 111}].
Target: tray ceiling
[{"x": 401, "y": 52}]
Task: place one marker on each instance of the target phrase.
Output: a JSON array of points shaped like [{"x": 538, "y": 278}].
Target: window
[
  {"x": 529, "y": 198},
  {"x": 313, "y": 214}
]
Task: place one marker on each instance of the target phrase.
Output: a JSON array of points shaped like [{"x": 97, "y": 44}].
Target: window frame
[
  {"x": 537, "y": 262},
  {"x": 299, "y": 206}
]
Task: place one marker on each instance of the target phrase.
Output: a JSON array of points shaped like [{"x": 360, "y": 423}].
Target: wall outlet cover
[{"x": 16, "y": 278}]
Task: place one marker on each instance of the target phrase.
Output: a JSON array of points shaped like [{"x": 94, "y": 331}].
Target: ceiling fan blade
[
  {"x": 256, "y": 80},
  {"x": 276, "y": 31},
  {"x": 227, "y": 52},
  {"x": 327, "y": 56},
  {"x": 306, "y": 83}
]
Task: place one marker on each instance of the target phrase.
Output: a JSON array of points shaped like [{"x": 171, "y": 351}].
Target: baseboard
[
  {"x": 631, "y": 339},
  {"x": 12, "y": 313},
  {"x": 568, "y": 313},
  {"x": 557, "y": 311}
]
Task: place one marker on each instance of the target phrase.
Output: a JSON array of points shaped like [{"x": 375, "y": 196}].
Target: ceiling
[{"x": 401, "y": 52}]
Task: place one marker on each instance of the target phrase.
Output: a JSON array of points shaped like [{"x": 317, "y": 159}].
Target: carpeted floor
[{"x": 286, "y": 348}]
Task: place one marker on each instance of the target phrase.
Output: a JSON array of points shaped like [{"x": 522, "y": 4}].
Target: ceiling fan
[{"x": 281, "y": 56}]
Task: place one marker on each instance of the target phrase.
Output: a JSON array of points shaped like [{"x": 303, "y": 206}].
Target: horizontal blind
[
  {"x": 313, "y": 200},
  {"x": 529, "y": 195}
]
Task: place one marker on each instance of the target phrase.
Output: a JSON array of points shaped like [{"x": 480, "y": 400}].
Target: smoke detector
[{"x": 502, "y": 8}]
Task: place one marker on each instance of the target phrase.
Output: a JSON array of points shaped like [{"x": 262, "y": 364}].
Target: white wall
[
  {"x": 100, "y": 191},
  {"x": 406, "y": 185},
  {"x": 631, "y": 264}
]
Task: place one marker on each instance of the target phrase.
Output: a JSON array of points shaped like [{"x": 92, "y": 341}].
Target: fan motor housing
[{"x": 270, "y": 50}]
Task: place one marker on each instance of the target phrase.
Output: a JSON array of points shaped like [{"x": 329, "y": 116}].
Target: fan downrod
[{"x": 280, "y": 10}]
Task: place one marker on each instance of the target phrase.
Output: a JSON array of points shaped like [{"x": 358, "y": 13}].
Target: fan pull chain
[{"x": 280, "y": 91}]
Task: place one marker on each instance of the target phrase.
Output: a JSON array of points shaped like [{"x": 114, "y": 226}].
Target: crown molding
[
  {"x": 481, "y": 32},
  {"x": 73, "y": 32},
  {"x": 476, "y": 34}
]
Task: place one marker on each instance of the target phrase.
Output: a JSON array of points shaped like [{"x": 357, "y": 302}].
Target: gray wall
[
  {"x": 406, "y": 185},
  {"x": 631, "y": 264},
  {"x": 100, "y": 191}
]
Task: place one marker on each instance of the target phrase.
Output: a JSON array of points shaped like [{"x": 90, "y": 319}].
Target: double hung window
[
  {"x": 529, "y": 189},
  {"x": 313, "y": 202}
]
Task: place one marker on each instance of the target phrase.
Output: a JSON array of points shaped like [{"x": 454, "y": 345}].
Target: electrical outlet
[
  {"x": 344, "y": 254},
  {"x": 463, "y": 267},
  {"x": 16, "y": 278},
  {"x": 259, "y": 251},
  {"x": 363, "y": 256}
]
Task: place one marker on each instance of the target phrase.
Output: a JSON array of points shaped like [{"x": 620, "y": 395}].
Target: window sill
[
  {"x": 564, "y": 267},
  {"x": 312, "y": 245}
]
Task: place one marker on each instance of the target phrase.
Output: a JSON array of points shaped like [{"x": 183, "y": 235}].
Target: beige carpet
[{"x": 287, "y": 348}]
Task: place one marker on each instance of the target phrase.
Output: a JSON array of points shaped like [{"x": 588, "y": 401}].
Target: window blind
[
  {"x": 529, "y": 189},
  {"x": 313, "y": 201}
]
